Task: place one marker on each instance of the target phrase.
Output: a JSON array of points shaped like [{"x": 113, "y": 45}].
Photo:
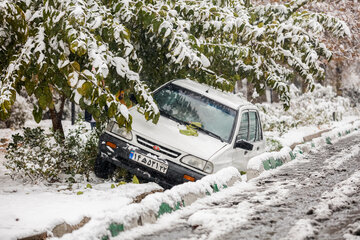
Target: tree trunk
[
  {"x": 56, "y": 118},
  {"x": 338, "y": 78},
  {"x": 249, "y": 91},
  {"x": 72, "y": 113},
  {"x": 274, "y": 97}
]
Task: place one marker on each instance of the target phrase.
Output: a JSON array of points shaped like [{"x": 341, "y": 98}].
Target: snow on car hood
[{"x": 166, "y": 133}]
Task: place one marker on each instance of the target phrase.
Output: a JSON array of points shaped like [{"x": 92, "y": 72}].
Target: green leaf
[
  {"x": 120, "y": 183},
  {"x": 117, "y": 8},
  {"x": 135, "y": 180},
  {"x": 112, "y": 186},
  {"x": 38, "y": 92},
  {"x": 74, "y": 46},
  {"x": 112, "y": 110},
  {"x": 37, "y": 113},
  {"x": 76, "y": 66},
  {"x": 120, "y": 120},
  {"x": 156, "y": 25},
  {"x": 147, "y": 116},
  {"x": 138, "y": 5},
  {"x": 43, "y": 102},
  {"x": 89, "y": 186},
  {"x": 128, "y": 124},
  {"x": 102, "y": 100},
  {"x": 86, "y": 89},
  {"x": 145, "y": 18},
  {"x": 29, "y": 86},
  {"x": 81, "y": 51},
  {"x": 190, "y": 131},
  {"x": 248, "y": 60},
  {"x": 79, "y": 193},
  {"x": 156, "y": 119},
  {"x": 212, "y": 10}
]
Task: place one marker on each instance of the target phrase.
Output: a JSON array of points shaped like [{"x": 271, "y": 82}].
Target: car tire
[{"x": 103, "y": 169}]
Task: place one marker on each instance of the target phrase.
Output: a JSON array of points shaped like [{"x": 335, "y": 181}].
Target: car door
[{"x": 249, "y": 130}]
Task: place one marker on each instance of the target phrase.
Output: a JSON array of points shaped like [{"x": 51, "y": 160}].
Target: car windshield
[{"x": 186, "y": 106}]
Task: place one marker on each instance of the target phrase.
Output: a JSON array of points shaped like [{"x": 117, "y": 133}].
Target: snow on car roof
[{"x": 226, "y": 98}]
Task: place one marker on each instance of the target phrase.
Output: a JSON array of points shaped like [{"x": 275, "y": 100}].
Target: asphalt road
[{"x": 315, "y": 197}]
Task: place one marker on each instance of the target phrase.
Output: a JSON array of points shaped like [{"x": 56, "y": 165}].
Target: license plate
[{"x": 149, "y": 162}]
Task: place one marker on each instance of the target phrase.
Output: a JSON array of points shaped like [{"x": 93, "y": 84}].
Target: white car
[{"x": 200, "y": 131}]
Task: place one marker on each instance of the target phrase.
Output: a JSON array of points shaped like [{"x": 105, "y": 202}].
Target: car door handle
[
  {"x": 258, "y": 148},
  {"x": 245, "y": 152}
]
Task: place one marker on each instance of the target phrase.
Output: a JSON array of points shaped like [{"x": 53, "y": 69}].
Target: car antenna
[{"x": 207, "y": 91}]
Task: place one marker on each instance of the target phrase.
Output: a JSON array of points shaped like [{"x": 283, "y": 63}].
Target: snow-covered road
[{"x": 314, "y": 197}]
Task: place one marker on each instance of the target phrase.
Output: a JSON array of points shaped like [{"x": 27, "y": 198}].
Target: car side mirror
[{"x": 244, "y": 145}]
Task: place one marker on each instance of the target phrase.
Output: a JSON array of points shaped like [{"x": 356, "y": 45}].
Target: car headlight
[
  {"x": 209, "y": 167},
  {"x": 198, "y": 163},
  {"x": 110, "y": 126},
  {"x": 121, "y": 131}
]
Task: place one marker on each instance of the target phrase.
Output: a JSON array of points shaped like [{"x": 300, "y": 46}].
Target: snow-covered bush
[
  {"x": 313, "y": 108},
  {"x": 81, "y": 145},
  {"x": 19, "y": 114},
  {"x": 32, "y": 156},
  {"x": 37, "y": 156},
  {"x": 353, "y": 94},
  {"x": 273, "y": 145}
]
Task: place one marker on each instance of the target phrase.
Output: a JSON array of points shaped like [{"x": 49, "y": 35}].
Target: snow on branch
[{"x": 89, "y": 50}]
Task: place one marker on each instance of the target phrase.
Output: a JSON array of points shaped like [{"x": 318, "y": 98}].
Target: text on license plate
[{"x": 152, "y": 163}]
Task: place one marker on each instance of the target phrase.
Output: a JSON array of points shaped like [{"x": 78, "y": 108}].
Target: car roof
[{"x": 229, "y": 99}]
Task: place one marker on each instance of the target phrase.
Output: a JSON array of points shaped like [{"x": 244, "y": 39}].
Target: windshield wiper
[{"x": 207, "y": 132}]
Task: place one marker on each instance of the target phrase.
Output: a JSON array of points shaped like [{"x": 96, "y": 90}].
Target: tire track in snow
[
  {"x": 315, "y": 174},
  {"x": 331, "y": 202}
]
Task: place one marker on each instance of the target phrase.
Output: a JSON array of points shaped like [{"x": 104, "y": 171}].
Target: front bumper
[{"x": 120, "y": 157}]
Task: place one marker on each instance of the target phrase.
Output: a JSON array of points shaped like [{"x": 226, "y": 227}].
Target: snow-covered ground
[{"x": 27, "y": 209}]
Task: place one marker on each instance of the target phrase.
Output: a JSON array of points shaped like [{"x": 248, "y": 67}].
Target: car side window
[
  {"x": 244, "y": 127},
  {"x": 259, "y": 132},
  {"x": 253, "y": 127},
  {"x": 250, "y": 127}
]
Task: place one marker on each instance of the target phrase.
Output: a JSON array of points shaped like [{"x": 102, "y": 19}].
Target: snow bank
[
  {"x": 155, "y": 205},
  {"x": 272, "y": 160},
  {"x": 30, "y": 210},
  {"x": 266, "y": 161}
]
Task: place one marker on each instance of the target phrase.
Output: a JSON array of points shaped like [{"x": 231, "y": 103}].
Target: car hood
[{"x": 167, "y": 133}]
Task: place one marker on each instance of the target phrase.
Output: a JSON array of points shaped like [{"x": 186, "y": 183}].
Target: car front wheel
[{"x": 102, "y": 168}]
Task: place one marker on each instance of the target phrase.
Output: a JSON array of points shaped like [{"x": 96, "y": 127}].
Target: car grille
[{"x": 162, "y": 150}]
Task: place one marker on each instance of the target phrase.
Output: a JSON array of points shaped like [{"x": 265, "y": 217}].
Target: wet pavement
[{"x": 315, "y": 197}]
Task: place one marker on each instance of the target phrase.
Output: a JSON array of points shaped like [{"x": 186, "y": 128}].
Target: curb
[
  {"x": 58, "y": 231},
  {"x": 309, "y": 138},
  {"x": 272, "y": 160},
  {"x": 153, "y": 206}
]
